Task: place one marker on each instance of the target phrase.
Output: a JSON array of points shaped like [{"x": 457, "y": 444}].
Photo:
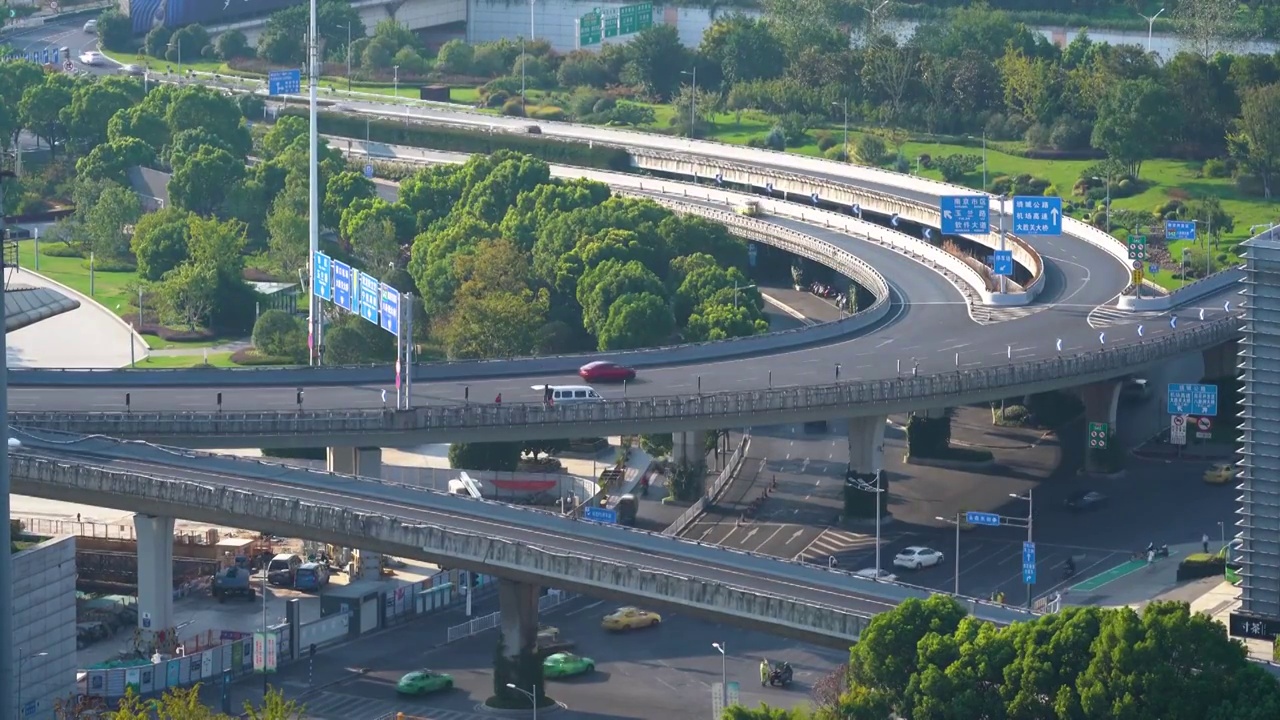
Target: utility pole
[
  {"x": 314, "y": 329},
  {"x": 7, "y": 673}
]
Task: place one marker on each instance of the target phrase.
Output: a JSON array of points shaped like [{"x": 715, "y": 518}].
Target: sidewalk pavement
[{"x": 91, "y": 336}]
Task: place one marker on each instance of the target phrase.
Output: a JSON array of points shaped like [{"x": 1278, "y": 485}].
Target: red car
[{"x": 601, "y": 371}]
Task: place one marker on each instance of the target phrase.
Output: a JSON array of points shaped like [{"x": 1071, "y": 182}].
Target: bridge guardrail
[
  {"x": 731, "y": 468},
  {"x": 736, "y": 407},
  {"x": 475, "y": 626},
  {"x": 1186, "y": 294}
]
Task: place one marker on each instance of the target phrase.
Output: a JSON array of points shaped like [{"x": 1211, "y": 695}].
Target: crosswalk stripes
[
  {"x": 340, "y": 706},
  {"x": 1105, "y": 316},
  {"x": 992, "y": 315},
  {"x": 834, "y": 543}
]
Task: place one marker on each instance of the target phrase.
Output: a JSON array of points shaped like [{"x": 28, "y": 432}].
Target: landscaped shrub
[
  {"x": 513, "y": 107},
  {"x": 1201, "y": 565},
  {"x": 549, "y": 112},
  {"x": 1215, "y": 168},
  {"x": 1013, "y": 416},
  {"x": 251, "y": 357},
  {"x": 59, "y": 249},
  {"x": 175, "y": 334},
  {"x": 870, "y": 150}
]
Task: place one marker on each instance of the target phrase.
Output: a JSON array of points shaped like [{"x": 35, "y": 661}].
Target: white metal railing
[
  {"x": 478, "y": 625},
  {"x": 717, "y": 486}
]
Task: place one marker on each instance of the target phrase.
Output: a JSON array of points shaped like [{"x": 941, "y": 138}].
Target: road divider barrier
[{"x": 475, "y": 626}]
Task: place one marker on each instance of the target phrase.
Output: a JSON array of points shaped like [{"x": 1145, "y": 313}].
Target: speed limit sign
[{"x": 53, "y": 5}]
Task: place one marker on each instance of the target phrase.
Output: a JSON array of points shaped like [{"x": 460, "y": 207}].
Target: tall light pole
[
  {"x": 6, "y": 567},
  {"x": 177, "y": 44},
  {"x": 1030, "y": 514},
  {"x": 1151, "y": 23},
  {"x": 737, "y": 290},
  {"x": 532, "y": 36},
  {"x": 724, "y": 673},
  {"x": 1183, "y": 267},
  {"x": 693, "y": 100},
  {"x": 264, "y": 629},
  {"x": 846, "y": 127},
  {"x": 396, "y": 81},
  {"x": 533, "y": 697},
  {"x": 956, "y": 588},
  {"x": 314, "y": 329},
  {"x": 22, "y": 660},
  {"x": 348, "y": 56}
]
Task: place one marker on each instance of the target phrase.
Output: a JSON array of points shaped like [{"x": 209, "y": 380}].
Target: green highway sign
[
  {"x": 600, "y": 23},
  {"x": 1098, "y": 435},
  {"x": 1137, "y": 247}
]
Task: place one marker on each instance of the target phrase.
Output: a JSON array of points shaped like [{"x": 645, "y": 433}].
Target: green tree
[
  {"x": 431, "y": 193},
  {"x": 495, "y": 312},
  {"x": 342, "y": 191},
  {"x": 187, "y": 44},
  {"x": 112, "y": 160},
  {"x": 1131, "y": 125},
  {"x": 233, "y": 45},
  {"x": 115, "y": 30},
  {"x": 40, "y": 109},
  {"x": 201, "y": 182},
  {"x": 743, "y": 49},
  {"x": 534, "y": 208},
  {"x": 185, "y": 704},
  {"x": 1256, "y": 142},
  {"x": 499, "y": 456},
  {"x": 160, "y": 242},
  {"x": 288, "y": 230},
  {"x": 656, "y": 59},
  {"x": 195, "y": 106},
  {"x": 601, "y": 287},
  {"x": 139, "y": 122},
  {"x": 285, "y": 29},
  {"x": 657, "y": 445},
  {"x": 283, "y": 134},
  {"x": 92, "y": 107},
  {"x": 109, "y": 223},
  {"x": 636, "y": 320},
  {"x": 189, "y": 294},
  {"x": 455, "y": 56},
  {"x": 350, "y": 340},
  {"x": 279, "y": 334},
  {"x": 373, "y": 240}
]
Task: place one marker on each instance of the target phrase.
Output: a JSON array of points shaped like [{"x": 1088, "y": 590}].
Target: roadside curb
[{"x": 85, "y": 299}]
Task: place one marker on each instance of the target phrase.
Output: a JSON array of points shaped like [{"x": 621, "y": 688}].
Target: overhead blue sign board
[
  {"x": 1037, "y": 215},
  {"x": 1002, "y": 263},
  {"x": 390, "y": 309},
  {"x": 966, "y": 214},
  {"x": 982, "y": 518},
  {"x": 369, "y": 297},
  {"x": 1029, "y": 563},
  {"x": 284, "y": 82},
  {"x": 344, "y": 295},
  {"x": 600, "y": 514},
  {"x": 1193, "y": 399},
  {"x": 322, "y": 284},
  {"x": 1179, "y": 230}
]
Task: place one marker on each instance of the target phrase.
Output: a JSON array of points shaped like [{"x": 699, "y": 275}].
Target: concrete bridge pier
[
  {"x": 156, "y": 631},
  {"x": 1101, "y": 404},
  {"x": 518, "y": 661},
  {"x": 365, "y": 462},
  {"x": 866, "y": 443},
  {"x": 689, "y": 447},
  {"x": 1222, "y": 360}
]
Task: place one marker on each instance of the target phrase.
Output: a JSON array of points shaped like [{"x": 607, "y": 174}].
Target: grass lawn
[
  {"x": 109, "y": 288},
  {"x": 218, "y": 360},
  {"x": 156, "y": 342}
]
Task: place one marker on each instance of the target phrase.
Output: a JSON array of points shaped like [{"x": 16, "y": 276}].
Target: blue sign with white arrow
[
  {"x": 1179, "y": 230},
  {"x": 982, "y": 518},
  {"x": 965, "y": 214},
  {"x": 390, "y": 309},
  {"x": 322, "y": 283},
  {"x": 1037, "y": 215},
  {"x": 1002, "y": 263},
  {"x": 600, "y": 514},
  {"x": 284, "y": 82},
  {"x": 1029, "y": 563},
  {"x": 1193, "y": 399}
]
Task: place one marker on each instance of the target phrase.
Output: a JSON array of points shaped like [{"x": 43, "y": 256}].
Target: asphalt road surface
[{"x": 666, "y": 672}]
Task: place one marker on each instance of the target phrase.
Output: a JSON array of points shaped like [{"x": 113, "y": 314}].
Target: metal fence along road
[
  {"x": 726, "y": 409},
  {"x": 478, "y": 625},
  {"x": 723, "y": 479}
]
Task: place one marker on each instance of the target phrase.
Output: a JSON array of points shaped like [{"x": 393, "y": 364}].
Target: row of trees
[{"x": 929, "y": 660}]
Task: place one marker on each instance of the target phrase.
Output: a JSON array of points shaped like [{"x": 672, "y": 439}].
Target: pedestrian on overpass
[{"x": 1204, "y": 540}]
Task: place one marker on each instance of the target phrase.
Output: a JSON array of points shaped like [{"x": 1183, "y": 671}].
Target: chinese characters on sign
[
  {"x": 1037, "y": 215},
  {"x": 965, "y": 214}
]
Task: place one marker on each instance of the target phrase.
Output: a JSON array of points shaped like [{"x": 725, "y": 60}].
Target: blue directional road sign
[
  {"x": 1179, "y": 230},
  {"x": 982, "y": 518},
  {"x": 966, "y": 214},
  {"x": 344, "y": 292},
  {"x": 284, "y": 82},
  {"x": 1029, "y": 563},
  {"x": 600, "y": 514},
  {"x": 322, "y": 284},
  {"x": 1002, "y": 262},
  {"x": 368, "y": 171},
  {"x": 1193, "y": 399},
  {"x": 390, "y": 309},
  {"x": 1037, "y": 215},
  {"x": 369, "y": 297}
]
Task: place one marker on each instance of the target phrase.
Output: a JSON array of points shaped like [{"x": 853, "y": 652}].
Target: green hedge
[
  {"x": 463, "y": 140},
  {"x": 1201, "y": 565}
]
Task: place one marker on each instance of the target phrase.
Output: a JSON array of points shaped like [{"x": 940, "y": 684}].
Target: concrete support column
[
  {"x": 866, "y": 444},
  {"x": 1101, "y": 403},
  {"x": 518, "y": 603},
  {"x": 155, "y": 582},
  {"x": 365, "y": 462},
  {"x": 689, "y": 447},
  {"x": 1222, "y": 360}
]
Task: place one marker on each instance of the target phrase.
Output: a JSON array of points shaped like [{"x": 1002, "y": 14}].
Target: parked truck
[{"x": 232, "y": 582}]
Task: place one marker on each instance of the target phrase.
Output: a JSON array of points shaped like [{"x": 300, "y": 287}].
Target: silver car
[{"x": 132, "y": 70}]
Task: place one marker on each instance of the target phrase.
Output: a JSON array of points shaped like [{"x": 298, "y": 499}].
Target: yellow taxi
[
  {"x": 1220, "y": 473},
  {"x": 630, "y": 618}
]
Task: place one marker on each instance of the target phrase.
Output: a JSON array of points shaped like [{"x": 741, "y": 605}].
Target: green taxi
[
  {"x": 564, "y": 665},
  {"x": 424, "y": 682}
]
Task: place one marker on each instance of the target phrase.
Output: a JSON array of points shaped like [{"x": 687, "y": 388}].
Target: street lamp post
[
  {"x": 955, "y": 590},
  {"x": 177, "y": 44},
  {"x": 264, "y": 630},
  {"x": 315, "y": 321},
  {"x": 736, "y": 290},
  {"x": 348, "y": 56},
  {"x": 395, "y": 81},
  {"x": 1151, "y": 23},
  {"x": 1030, "y": 515},
  {"x": 1183, "y": 268},
  {"x": 693, "y": 100},
  {"x": 724, "y": 673},
  {"x": 846, "y": 127},
  {"x": 532, "y": 36},
  {"x": 533, "y": 697},
  {"x": 22, "y": 660}
]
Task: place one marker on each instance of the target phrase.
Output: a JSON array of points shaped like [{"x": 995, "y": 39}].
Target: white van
[{"x": 568, "y": 394}]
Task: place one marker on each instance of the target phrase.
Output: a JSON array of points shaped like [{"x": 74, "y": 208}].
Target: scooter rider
[
  {"x": 764, "y": 672},
  {"x": 1071, "y": 567}
]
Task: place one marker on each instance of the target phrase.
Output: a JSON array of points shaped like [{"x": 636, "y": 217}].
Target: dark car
[
  {"x": 1085, "y": 500},
  {"x": 602, "y": 371}
]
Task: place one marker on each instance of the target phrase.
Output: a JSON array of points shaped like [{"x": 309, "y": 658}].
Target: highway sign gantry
[
  {"x": 344, "y": 291},
  {"x": 602, "y": 23},
  {"x": 390, "y": 309},
  {"x": 1037, "y": 215},
  {"x": 965, "y": 214},
  {"x": 1029, "y": 563},
  {"x": 322, "y": 284},
  {"x": 1099, "y": 435},
  {"x": 1179, "y": 229},
  {"x": 982, "y": 518},
  {"x": 1193, "y": 399},
  {"x": 369, "y": 298}
]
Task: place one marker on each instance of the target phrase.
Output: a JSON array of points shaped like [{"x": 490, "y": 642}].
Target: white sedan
[
  {"x": 870, "y": 574},
  {"x": 916, "y": 557},
  {"x": 92, "y": 58}
]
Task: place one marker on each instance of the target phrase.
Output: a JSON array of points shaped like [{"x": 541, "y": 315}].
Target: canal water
[{"x": 556, "y": 21}]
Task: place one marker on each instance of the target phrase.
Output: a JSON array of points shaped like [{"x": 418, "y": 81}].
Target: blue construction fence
[{"x": 233, "y": 658}]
